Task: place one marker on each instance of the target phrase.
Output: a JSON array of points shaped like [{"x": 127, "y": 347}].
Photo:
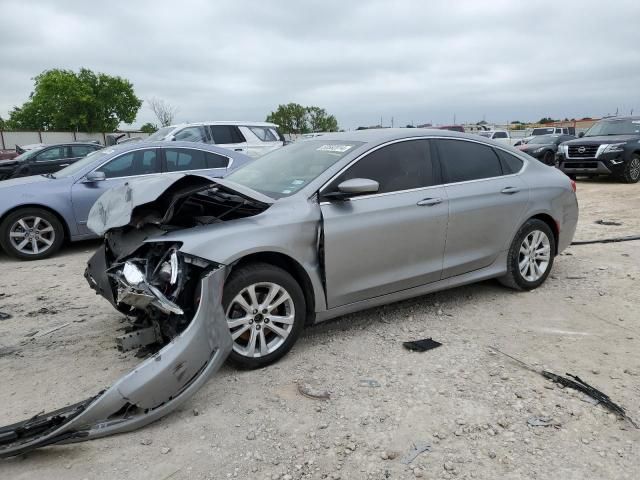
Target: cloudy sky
[{"x": 415, "y": 61}]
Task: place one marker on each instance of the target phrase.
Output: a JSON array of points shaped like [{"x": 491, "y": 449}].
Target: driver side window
[
  {"x": 140, "y": 162},
  {"x": 50, "y": 154},
  {"x": 400, "y": 166}
]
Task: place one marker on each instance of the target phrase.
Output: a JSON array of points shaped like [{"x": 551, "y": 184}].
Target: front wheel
[
  {"x": 530, "y": 256},
  {"x": 549, "y": 159},
  {"x": 631, "y": 172},
  {"x": 265, "y": 310},
  {"x": 31, "y": 234}
]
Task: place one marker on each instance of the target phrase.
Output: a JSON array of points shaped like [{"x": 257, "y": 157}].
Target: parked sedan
[
  {"x": 38, "y": 213},
  {"x": 317, "y": 229},
  {"x": 341, "y": 223},
  {"x": 544, "y": 147},
  {"x": 41, "y": 159}
]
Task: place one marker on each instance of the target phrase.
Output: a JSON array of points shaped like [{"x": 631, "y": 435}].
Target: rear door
[
  {"x": 486, "y": 204},
  {"x": 228, "y": 136},
  {"x": 118, "y": 170},
  {"x": 389, "y": 241},
  {"x": 76, "y": 152}
]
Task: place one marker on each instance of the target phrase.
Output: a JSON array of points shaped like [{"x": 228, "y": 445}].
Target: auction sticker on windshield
[{"x": 334, "y": 148}]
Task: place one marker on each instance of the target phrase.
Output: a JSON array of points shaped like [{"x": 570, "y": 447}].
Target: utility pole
[
  {"x": 391, "y": 122},
  {"x": 454, "y": 118}
]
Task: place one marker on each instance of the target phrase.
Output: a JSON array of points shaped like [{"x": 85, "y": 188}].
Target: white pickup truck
[{"x": 501, "y": 136}]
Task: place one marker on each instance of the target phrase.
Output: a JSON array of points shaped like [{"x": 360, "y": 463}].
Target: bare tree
[{"x": 162, "y": 110}]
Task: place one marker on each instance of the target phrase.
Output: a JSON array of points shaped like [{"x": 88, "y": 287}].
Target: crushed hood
[{"x": 153, "y": 200}]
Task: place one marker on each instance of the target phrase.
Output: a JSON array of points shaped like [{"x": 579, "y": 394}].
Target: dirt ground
[{"x": 470, "y": 405}]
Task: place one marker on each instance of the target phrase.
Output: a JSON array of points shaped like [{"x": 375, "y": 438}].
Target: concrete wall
[{"x": 9, "y": 140}]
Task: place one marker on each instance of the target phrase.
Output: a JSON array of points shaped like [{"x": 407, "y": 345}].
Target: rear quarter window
[{"x": 510, "y": 163}]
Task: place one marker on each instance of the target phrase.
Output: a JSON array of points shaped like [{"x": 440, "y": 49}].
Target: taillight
[{"x": 574, "y": 187}]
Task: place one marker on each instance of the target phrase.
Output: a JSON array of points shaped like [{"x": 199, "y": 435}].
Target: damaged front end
[{"x": 173, "y": 300}]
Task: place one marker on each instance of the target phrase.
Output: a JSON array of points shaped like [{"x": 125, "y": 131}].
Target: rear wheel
[
  {"x": 31, "y": 234},
  {"x": 265, "y": 310},
  {"x": 530, "y": 256},
  {"x": 631, "y": 172}
]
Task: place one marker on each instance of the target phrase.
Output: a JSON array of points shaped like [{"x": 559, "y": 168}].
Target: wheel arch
[
  {"x": 293, "y": 267},
  {"x": 63, "y": 222}
]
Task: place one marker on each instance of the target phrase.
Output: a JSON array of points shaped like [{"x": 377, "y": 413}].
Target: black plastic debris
[
  {"x": 5, "y": 316},
  {"x": 609, "y": 223},
  {"x": 628, "y": 238},
  {"x": 421, "y": 345},
  {"x": 578, "y": 384},
  {"x": 416, "y": 449}
]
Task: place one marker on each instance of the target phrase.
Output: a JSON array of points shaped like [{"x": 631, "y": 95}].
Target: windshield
[
  {"x": 83, "y": 162},
  {"x": 542, "y": 131},
  {"x": 614, "y": 127},
  {"x": 27, "y": 154},
  {"x": 543, "y": 139},
  {"x": 285, "y": 171},
  {"x": 485, "y": 134},
  {"x": 160, "y": 134}
]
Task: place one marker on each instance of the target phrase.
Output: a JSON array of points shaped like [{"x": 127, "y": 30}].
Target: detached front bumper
[{"x": 154, "y": 388}]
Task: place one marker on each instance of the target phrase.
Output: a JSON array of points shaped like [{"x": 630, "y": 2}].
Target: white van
[{"x": 251, "y": 138}]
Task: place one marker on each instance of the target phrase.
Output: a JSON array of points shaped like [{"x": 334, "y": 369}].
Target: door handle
[
  {"x": 238, "y": 149},
  {"x": 510, "y": 190},
  {"x": 429, "y": 202}
]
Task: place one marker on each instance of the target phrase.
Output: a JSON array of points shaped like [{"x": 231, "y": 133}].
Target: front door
[
  {"x": 49, "y": 160},
  {"x": 486, "y": 205},
  {"x": 118, "y": 171},
  {"x": 389, "y": 241}
]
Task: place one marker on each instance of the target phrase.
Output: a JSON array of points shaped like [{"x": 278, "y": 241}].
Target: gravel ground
[{"x": 470, "y": 405}]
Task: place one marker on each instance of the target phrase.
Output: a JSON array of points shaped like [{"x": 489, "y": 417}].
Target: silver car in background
[{"x": 236, "y": 267}]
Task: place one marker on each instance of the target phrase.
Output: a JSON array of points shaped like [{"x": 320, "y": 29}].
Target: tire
[
  {"x": 43, "y": 227},
  {"x": 571, "y": 176},
  {"x": 259, "y": 325},
  {"x": 530, "y": 277},
  {"x": 631, "y": 172},
  {"x": 549, "y": 158}
]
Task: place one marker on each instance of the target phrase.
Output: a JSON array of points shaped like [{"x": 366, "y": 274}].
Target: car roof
[
  {"x": 381, "y": 135},
  {"x": 614, "y": 119},
  {"x": 125, "y": 147},
  {"x": 226, "y": 122}
]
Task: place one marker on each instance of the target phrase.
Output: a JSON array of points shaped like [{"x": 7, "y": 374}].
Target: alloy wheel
[
  {"x": 634, "y": 168},
  {"x": 534, "y": 256},
  {"x": 32, "y": 235},
  {"x": 260, "y": 319}
]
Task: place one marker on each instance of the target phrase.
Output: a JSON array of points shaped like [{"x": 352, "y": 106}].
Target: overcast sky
[{"x": 416, "y": 61}]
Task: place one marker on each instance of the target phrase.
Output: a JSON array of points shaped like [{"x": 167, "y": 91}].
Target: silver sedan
[{"x": 237, "y": 267}]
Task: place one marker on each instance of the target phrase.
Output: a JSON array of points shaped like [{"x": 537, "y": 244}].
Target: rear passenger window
[
  {"x": 179, "y": 159},
  {"x": 399, "y": 166},
  {"x": 224, "y": 134},
  {"x": 463, "y": 161},
  {"x": 510, "y": 163},
  {"x": 216, "y": 161},
  {"x": 81, "y": 150}
]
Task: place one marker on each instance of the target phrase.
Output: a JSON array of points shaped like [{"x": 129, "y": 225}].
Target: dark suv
[
  {"x": 610, "y": 147},
  {"x": 45, "y": 159}
]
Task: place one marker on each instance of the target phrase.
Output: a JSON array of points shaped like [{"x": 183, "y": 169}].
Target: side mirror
[
  {"x": 94, "y": 176},
  {"x": 353, "y": 188},
  {"x": 581, "y": 134}
]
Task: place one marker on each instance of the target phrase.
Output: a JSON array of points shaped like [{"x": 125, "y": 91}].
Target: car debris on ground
[
  {"x": 628, "y": 238},
  {"x": 5, "y": 316},
  {"x": 421, "y": 345},
  {"x": 578, "y": 384},
  {"x": 416, "y": 449}
]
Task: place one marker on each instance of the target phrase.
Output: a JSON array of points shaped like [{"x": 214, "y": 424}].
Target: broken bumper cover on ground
[{"x": 154, "y": 388}]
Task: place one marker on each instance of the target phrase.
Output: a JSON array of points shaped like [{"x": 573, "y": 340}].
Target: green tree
[
  {"x": 83, "y": 101},
  {"x": 149, "y": 128},
  {"x": 545, "y": 120},
  {"x": 2, "y": 124},
  {"x": 320, "y": 121},
  {"x": 295, "y": 118}
]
